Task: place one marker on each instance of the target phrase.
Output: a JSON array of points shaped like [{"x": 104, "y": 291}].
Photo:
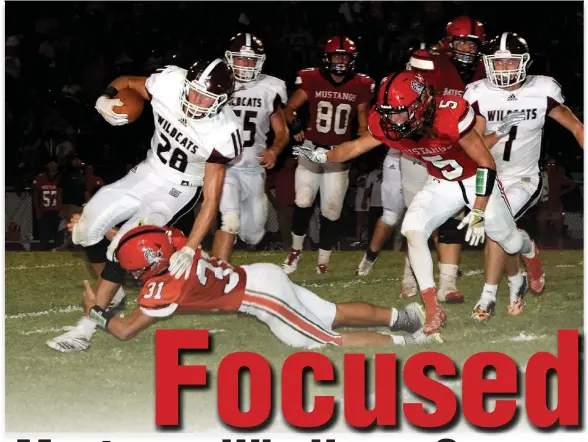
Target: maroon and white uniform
[
  {"x": 48, "y": 192},
  {"x": 452, "y": 173},
  {"x": 332, "y": 108},
  {"x": 171, "y": 176}
]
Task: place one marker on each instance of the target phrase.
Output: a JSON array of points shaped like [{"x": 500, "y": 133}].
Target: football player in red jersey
[
  {"x": 47, "y": 202},
  {"x": 439, "y": 131},
  {"x": 336, "y": 95},
  {"x": 295, "y": 315}
]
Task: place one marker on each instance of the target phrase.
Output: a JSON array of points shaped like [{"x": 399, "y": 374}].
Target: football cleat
[
  {"x": 411, "y": 318},
  {"x": 291, "y": 262},
  {"x": 517, "y": 294},
  {"x": 448, "y": 290},
  {"x": 365, "y": 266},
  {"x": 535, "y": 271},
  {"x": 70, "y": 341},
  {"x": 420, "y": 338},
  {"x": 484, "y": 310},
  {"x": 435, "y": 315},
  {"x": 321, "y": 269}
]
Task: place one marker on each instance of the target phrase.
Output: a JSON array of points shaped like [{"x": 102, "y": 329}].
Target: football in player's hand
[{"x": 132, "y": 101}]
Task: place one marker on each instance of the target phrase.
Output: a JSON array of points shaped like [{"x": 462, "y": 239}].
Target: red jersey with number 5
[
  {"x": 333, "y": 106},
  {"x": 439, "y": 149},
  {"x": 213, "y": 285},
  {"x": 48, "y": 192}
]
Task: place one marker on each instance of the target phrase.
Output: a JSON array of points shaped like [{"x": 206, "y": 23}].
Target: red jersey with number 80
[
  {"x": 213, "y": 285},
  {"x": 439, "y": 149},
  {"x": 333, "y": 106}
]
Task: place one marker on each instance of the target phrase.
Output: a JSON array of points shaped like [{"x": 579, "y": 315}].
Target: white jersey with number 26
[
  {"x": 180, "y": 147},
  {"x": 516, "y": 153}
]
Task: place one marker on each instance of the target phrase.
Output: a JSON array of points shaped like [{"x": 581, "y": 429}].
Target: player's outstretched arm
[
  {"x": 295, "y": 102},
  {"x": 352, "y": 149},
  {"x": 106, "y": 103},
  {"x": 135, "y": 83},
  {"x": 564, "y": 116},
  {"x": 363, "y": 110}
]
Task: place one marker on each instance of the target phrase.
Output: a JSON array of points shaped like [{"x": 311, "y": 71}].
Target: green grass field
[{"x": 111, "y": 386}]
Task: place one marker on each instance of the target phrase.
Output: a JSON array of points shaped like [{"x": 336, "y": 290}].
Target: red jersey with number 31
[
  {"x": 333, "y": 106},
  {"x": 213, "y": 285},
  {"x": 439, "y": 149}
]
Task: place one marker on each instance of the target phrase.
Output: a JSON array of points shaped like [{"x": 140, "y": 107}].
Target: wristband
[
  {"x": 110, "y": 92},
  {"x": 485, "y": 179},
  {"x": 100, "y": 316},
  {"x": 297, "y": 126}
]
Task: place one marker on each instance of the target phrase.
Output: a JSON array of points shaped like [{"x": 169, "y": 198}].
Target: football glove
[
  {"x": 181, "y": 262},
  {"x": 508, "y": 122},
  {"x": 105, "y": 105},
  {"x": 475, "y": 222},
  {"x": 316, "y": 155}
]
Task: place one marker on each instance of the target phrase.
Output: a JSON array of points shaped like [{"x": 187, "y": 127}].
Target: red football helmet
[
  {"x": 344, "y": 51},
  {"x": 145, "y": 251},
  {"x": 404, "y": 104},
  {"x": 465, "y": 36}
]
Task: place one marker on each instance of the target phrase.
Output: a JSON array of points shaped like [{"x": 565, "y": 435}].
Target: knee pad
[
  {"x": 448, "y": 232},
  {"x": 513, "y": 243},
  {"x": 252, "y": 238},
  {"x": 389, "y": 218},
  {"x": 113, "y": 272},
  {"x": 97, "y": 253},
  {"x": 230, "y": 223},
  {"x": 304, "y": 197},
  {"x": 328, "y": 234},
  {"x": 331, "y": 209}
]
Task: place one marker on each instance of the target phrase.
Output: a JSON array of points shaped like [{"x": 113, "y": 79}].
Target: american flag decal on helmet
[{"x": 417, "y": 86}]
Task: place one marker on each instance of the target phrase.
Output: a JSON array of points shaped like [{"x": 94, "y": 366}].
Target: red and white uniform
[
  {"x": 517, "y": 153},
  {"x": 332, "y": 109},
  {"x": 296, "y": 316},
  {"x": 452, "y": 173},
  {"x": 48, "y": 193}
]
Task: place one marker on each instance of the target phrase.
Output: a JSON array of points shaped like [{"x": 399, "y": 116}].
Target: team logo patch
[
  {"x": 152, "y": 256},
  {"x": 417, "y": 87}
]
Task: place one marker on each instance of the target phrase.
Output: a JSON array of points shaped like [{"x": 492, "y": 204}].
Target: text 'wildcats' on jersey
[
  {"x": 439, "y": 149},
  {"x": 517, "y": 153},
  {"x": 439, "y": 71},
  {"x": 213, "y": 285},
  {"x": 180, "y": 147},
  {"x": 254, "y": 102},
  {"x": 333, "y": 106}
]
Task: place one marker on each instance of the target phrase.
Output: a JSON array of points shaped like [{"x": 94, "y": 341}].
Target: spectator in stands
[
  {"x": 282, "y": 182},
  {"x": 551, "y": 210},
  {"x": 47, "y": 203}
]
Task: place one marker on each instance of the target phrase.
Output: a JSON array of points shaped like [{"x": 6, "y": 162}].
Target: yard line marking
[
  {"x": 45, "y": 330},
  {"x": 307, "y": 284},
  {"x": 47, "y": 266}
]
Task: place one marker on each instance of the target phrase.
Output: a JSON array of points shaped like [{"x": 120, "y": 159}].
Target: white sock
[
  {"x": 448, "y": 270},
  {"x": 87, "y": 327},
  {"x": 516, "y": 280},
  {"x": 398, "y": 340},
  {"x": 324, "y": 256},
  {"x": 420, "y": 259},
  {"x": 394, "y": 317},
  {"x": 298, "y": 242},
  {"x": 489, "y": 292},
  {"x": 407, "y": 269}
]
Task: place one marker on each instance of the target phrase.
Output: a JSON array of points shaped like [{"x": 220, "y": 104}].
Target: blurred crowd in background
[{"x": 60, "y": 56}]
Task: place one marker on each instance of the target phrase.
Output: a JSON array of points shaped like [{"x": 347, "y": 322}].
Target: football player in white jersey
[
  {"x": 515, "y": 106},
  {"x": 196, "y": 135},
  {"x": 257, "y": 102}
]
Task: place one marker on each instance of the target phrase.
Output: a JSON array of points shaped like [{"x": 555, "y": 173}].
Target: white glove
[
  {"x": 316, "y": 155},
  {"x": 180, "y": 263},
  {"x": 105, "y": 105},
  {"x": 475, "y": 222},
  {"x": 508, "y": 122}
]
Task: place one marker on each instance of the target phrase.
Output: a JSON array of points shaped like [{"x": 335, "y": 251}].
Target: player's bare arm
[
  {"x": 363, "y": 110},
  {"x": 214, "y": 174},
  {"x": 282, "y": 136},
  {"x": 295, "y": 102},
  {"x": 564, "y": 116},
  {"x": 473, "y": 144},
  {"x": 352, "y": 149},
  {"x": 135, "y": 83}
]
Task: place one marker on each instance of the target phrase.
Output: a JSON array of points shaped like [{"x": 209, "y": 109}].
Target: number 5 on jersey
[{"x": 454, "y": 173}]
